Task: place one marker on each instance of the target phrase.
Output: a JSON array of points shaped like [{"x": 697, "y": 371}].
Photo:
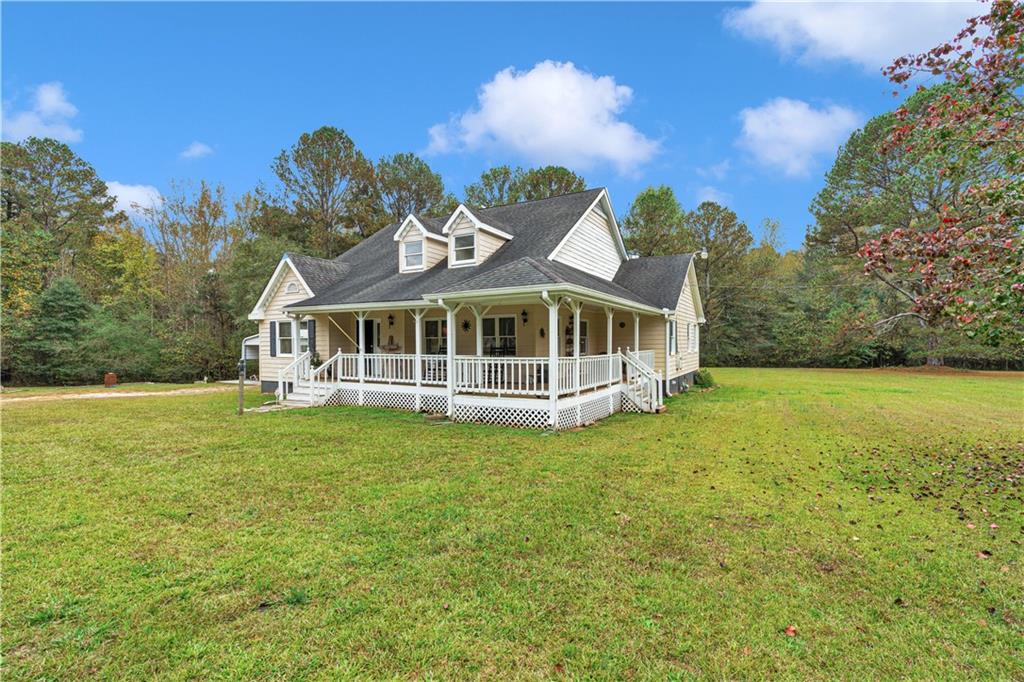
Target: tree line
[{"x": 914, "y": 254}]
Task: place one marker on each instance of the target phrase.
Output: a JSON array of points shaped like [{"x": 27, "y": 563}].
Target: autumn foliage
[{"x": 966, "y": 265}]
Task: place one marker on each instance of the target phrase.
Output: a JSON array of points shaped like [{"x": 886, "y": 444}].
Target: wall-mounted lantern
[{"x": 525, "y": 316}]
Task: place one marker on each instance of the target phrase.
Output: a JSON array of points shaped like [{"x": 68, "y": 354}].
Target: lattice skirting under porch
[
  {"x": 573, "y": 411},
  {"x": 392, "y": 398}
]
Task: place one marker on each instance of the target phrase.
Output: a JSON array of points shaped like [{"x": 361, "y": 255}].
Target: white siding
[
  {"x": 433, "y": 250},
  {"x": 486, "y": 243},
  {"x": 269, "y": 366},
  {"x": 591, "y": 246},
  {"x": 685, "y": 361}
]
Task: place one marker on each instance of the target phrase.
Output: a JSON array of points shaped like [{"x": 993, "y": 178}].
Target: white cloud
[
  {"x": 196, "y": 150},
  {"x": 716, "y": 171},
  {"x": 871, "y": 34},
  {"x": 709, "y": 193},
  {"x": 552, "y": 114},
  {"x": 133, "y": 199},
  {"x": 49, "y": 117},
  {"x": 790, "y": 134}
]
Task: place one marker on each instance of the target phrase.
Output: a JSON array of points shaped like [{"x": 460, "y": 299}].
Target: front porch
[{"x": 478, "y": 361}]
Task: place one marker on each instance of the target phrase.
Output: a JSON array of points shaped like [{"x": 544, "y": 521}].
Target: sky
[{"x": 745, "y": 104}]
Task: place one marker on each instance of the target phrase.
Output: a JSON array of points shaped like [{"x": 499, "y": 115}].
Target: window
[
  {"x": 673, "y": 339},
  {"x": 499, "y": 335},
  {"x": 435, "y": 336},
  {"x": 292, "y": 288},
  {"x": 303, "y": 338},
  {"x": 692, "y": 337},
  {"x": 284, "y": 338},
  {"x": 414, "y": 254},
  {"x": 465, "y": 248}
]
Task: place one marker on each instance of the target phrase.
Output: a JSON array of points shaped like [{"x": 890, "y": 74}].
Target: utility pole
[{"x": 241, "y": 386}]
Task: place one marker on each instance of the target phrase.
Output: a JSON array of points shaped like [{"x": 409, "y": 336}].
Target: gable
[
  {"x": 594, "y": 244},
  {"x": 488, "y": 239},
  {"x": 286, "y": 286}
]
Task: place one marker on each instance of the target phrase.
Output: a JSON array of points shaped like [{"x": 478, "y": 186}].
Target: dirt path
[{"x": 118, "y": 394}]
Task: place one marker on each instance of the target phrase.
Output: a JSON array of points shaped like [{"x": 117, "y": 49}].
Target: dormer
[
  {"x": 471, "y": 240},
  {"x": 419, "y": 249},
  {"x": 594, "y": 244}
]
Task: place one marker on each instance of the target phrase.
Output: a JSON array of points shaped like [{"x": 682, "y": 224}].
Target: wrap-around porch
[{"x": 494, "y": 361}]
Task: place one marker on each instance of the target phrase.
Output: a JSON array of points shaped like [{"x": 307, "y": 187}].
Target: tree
[
  {"x": 121, "y": 271},
  {"x": 330, "y": 185},
  {"x": 52, "y": 197},
  {"x": 548, "y": 181},
  {"x": 45, "y": 347},
  {"x": 406, "y": 184},
  {"x": 496, "y": 187},
  {"x": 504, "y": 185},
  {"x": 654, "y": 222},
  {"x": 969, "y": 264},
  {"x": 723, "y": 278}
]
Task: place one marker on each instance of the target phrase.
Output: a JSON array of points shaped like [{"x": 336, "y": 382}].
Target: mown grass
[
  {"x": 878, "y": 513},
  {"x": 148, "y": 386}
]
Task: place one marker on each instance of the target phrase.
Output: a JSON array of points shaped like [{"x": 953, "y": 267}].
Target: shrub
[{"x": 703, "y": 379}]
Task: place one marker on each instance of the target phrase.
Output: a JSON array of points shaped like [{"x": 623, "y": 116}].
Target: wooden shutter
[{"x": 311, "y": 333}]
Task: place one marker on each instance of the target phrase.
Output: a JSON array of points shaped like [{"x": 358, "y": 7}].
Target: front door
[{"x": 370, "y": 328}]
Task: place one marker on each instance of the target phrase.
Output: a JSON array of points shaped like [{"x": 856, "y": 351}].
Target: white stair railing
[
  {"x": 643, "y": 384},
  {"x": 322, "y": 377},
  {"x": 296, "y": 371}
]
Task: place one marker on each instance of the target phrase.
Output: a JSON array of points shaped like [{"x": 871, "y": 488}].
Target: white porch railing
[
  {"x": 296, "y": 371},
  {"x": 643, "y": 384},
  {"x": 501, "y": 375},
  {"x": 390, "y": 368},
  {"x": 594, "y": 371}
]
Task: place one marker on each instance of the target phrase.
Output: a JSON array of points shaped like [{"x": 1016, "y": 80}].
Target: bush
[{"x": 703, "y": 379}]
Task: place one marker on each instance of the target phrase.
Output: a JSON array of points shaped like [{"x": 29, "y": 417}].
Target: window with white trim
[
  {"x": 499, "y": 335},
  {"x": 464, "y": 249},
  {"x": 435, "y": 336},
  {"x": 673, "y": 338},
  {"x": 284, "y": 338},
  {"x": 692, "y": 339},
  {"x": 303, "y": 337},
  {"x": 413, "y": 254}
]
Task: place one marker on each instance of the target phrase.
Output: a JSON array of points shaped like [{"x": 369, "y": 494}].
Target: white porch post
[
  {"x": 609, "y": 313},
  {"x": 360, "y": 318},
  {"x": 576, "y": 307},
  {"x": 636, "y": 332},
  {"x": 553, "y": 336},
  {"x": 450, "y": 373},
  {"x": 417, "y": 315}
]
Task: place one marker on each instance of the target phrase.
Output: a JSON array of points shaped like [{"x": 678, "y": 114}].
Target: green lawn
[
  {"x": 32, "y": 391},
  {"x": 880, "y": 513}
]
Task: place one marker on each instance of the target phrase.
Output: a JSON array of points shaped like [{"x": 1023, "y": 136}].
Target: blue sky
[{"x": 742, "y": 102}]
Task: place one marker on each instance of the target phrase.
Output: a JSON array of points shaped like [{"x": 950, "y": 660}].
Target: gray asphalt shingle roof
[{"x": 368, "y": 273}]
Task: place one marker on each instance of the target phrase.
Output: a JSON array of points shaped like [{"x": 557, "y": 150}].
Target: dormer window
[
  {"x": 464, "y": 249},
  {"x": 414, "y": 255}
]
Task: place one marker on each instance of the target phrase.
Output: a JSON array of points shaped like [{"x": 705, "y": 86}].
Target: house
[{"x": 529, "y": 314}]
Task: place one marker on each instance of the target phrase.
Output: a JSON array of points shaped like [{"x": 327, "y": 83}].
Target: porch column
[
  {"x": 636, "y": 332},
  {"x": 553, "y": 337},
  {"x": 361, "y": 330},
  {"x": 576, "y": 307},
  {"x": 417, "y": 370},
  {"x": 450, "y": 372},
  {"x": 609, "y": 313}
]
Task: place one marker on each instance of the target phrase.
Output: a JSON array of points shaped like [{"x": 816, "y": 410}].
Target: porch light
[{"x": 525, "y": 316}]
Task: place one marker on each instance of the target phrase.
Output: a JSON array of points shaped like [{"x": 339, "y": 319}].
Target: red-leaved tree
[{"x": 967, "y": 265}]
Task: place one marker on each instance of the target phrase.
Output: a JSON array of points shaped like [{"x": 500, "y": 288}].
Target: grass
[
  {"x": 32, "y": 391},
  {"x": 877, "y": 513}
]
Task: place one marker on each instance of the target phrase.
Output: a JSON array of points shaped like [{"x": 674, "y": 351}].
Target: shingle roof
[
  {"x": 371, "y": 268},
  {"x": 659, "y": 279},
  {"x": 319, "y": 273}
]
